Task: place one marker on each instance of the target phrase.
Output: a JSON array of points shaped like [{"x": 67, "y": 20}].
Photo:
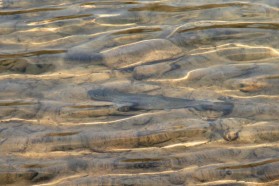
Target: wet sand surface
[{"x": 139, "y": 92}]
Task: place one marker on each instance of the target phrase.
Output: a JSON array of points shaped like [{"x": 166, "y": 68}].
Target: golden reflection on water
[{"x": 139, "y": 92}]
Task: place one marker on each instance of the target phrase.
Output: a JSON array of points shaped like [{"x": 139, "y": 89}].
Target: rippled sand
[{"x": 139, "y": 92}]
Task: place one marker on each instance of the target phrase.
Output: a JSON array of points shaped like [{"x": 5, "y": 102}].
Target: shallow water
[{"x": 138, "y": 92}]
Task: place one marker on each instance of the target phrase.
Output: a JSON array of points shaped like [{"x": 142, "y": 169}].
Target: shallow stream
[{"x": 139, "y": 92}]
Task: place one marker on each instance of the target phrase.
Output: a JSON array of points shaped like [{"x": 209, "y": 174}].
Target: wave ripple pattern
[{"x": 139, "y": 92}]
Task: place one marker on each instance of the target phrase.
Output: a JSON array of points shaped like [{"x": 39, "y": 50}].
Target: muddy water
[{"x": 139, "y": 92}]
